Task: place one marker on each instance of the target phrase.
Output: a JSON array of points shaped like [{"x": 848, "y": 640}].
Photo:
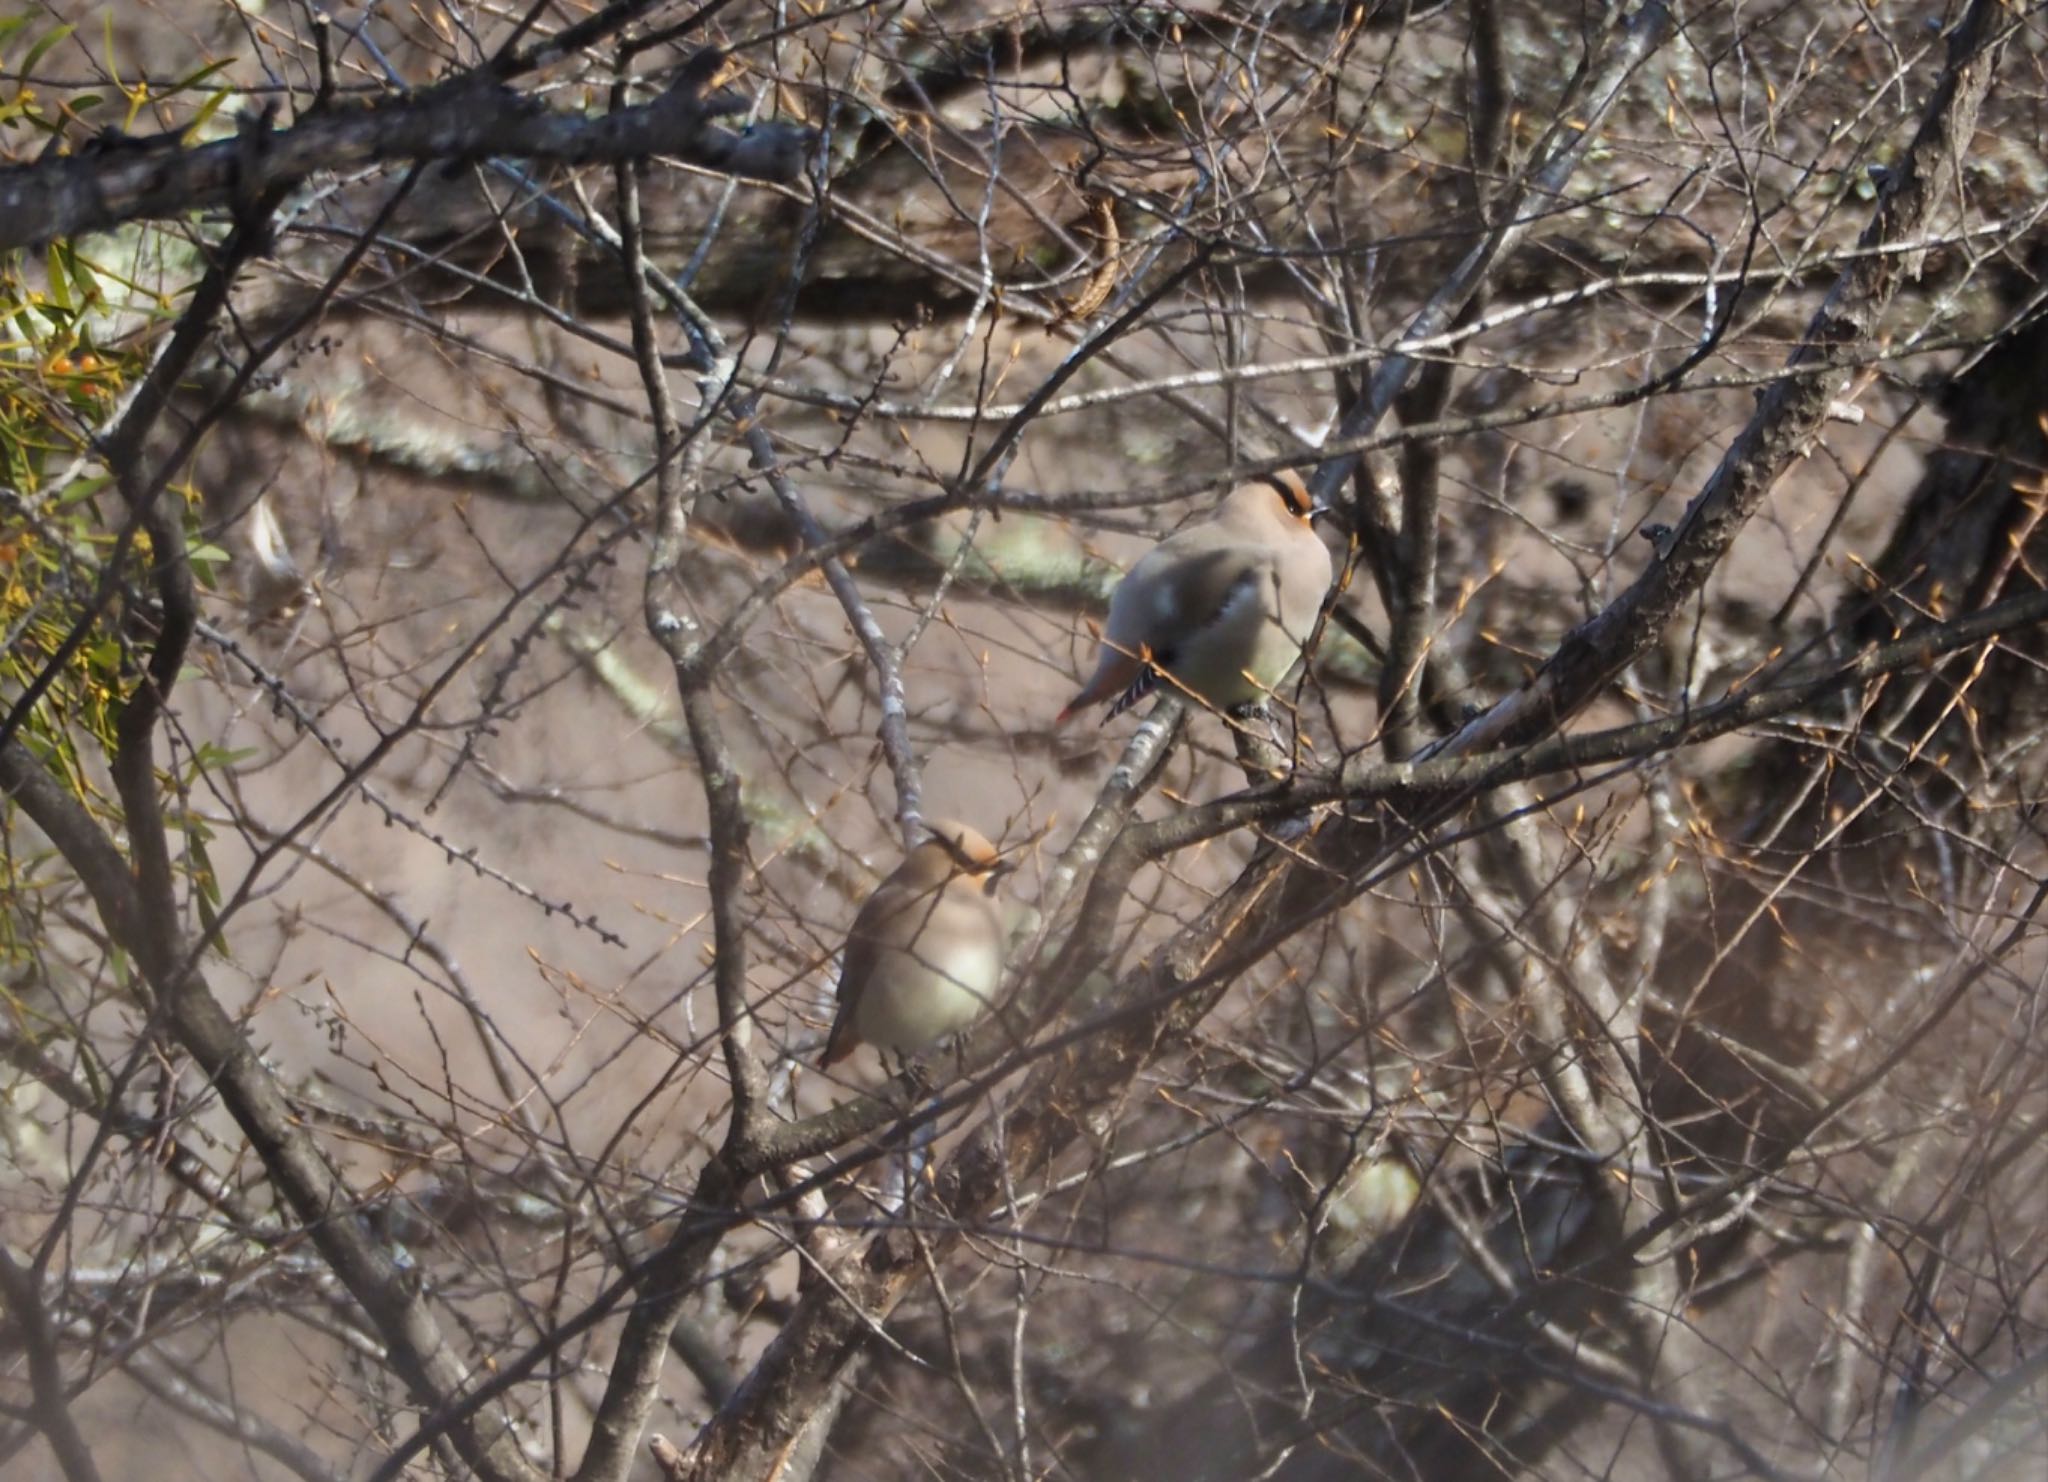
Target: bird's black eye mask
[
  {"x": 967, "y": 865},
  {"x": 1294, "y": 496}
]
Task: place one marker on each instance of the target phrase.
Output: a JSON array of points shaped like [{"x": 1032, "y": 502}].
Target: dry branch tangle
[
  {"x": 1273, "y": 897},
  {"x": 1072, "y": 1096}
]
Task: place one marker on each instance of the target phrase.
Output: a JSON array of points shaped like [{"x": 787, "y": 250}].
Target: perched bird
[
  {"x": 277, "y": 589},
  {"x": 1222, "y": 608},
  {"x": 925, "y": 955}
]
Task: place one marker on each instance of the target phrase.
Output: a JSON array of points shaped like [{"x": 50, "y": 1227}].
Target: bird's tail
[{"x": 1113, "y": 676}]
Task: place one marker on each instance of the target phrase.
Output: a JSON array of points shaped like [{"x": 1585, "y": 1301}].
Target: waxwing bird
[
  {"x": 925, "y": 956},
  {"x": 277, "y": 589},
  {"x": 1223, "y": 607}
]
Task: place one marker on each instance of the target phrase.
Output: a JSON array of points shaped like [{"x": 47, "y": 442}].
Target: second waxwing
[
  {"x": 925, "y": 956},
  {"x": 1222, "y": 608}
]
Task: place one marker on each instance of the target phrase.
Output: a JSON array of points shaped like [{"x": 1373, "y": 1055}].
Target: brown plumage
[
  {"x": 925, "y": 956},
  {"x": 1222, "y": 608}
]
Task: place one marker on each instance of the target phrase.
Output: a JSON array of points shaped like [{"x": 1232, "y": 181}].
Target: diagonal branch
[{"x": 1789, "y": 414}]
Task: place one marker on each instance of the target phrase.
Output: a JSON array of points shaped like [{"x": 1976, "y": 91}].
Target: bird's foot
[
  {"x": 912, "y": 1071},
  {"x": 1260, "y": 749}
]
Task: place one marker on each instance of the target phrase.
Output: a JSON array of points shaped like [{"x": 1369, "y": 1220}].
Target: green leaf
[
  {"x": 41, "y": 49},
  {"x": 184, "y": 83},
  {"x": 210, "y": 756},
  {"x": 206, "y": 110},
  {"x": 60, "y": 283},
  {"x": 209, "y": 897},
  {"x": 81, "y": 489},
  {"x": 208, "y": 561}
]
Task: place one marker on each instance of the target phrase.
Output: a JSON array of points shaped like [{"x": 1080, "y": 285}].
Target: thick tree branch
[
  {"x": 473, "y": 117},
  {"x": 31, "y": 1323}
]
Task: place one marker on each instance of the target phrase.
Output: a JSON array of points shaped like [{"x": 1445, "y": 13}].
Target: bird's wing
[
  {"x": 856, "y": 965},
  {"x": 1181, "y": 586},
  {"x": 1196, "y": 590},
  {"x": 1207, "y": 592},
  {"x": 875, "y": 925}
]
